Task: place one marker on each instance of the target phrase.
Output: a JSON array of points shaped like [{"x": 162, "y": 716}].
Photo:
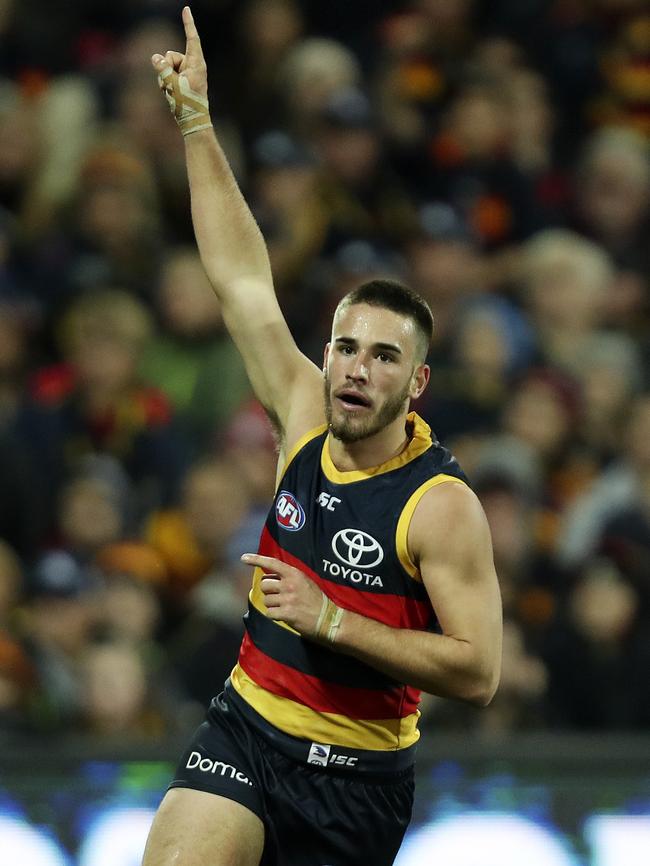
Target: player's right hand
[
  {"x": 190, "y": 65},
  {"x": 184, "y": 81}
]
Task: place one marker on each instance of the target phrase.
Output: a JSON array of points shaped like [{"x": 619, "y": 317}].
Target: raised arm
[{"x": 234, "y": 253}]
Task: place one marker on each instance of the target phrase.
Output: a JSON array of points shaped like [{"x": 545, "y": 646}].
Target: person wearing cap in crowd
[
  {"x": 360, "y": 194},
  {"x": 286, "y": 206},
  {"x": 307, "y": 754},
  {"x": 60, "y": 616}
]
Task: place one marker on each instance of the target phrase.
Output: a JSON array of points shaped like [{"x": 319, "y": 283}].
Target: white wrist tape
[
  {"x": 335, "y": 624},
  {"x": 325, "y": 605},
  {"x": 190, "y": 109},
  {"x": 329, "y": 620}
]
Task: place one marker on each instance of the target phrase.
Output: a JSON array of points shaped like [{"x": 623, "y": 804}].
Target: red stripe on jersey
[
  {"x": 325, "y": 697},
  {"x": 397, "y": 611}
]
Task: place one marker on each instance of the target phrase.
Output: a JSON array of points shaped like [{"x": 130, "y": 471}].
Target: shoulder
[
  {"x": 448, "y": 518},
  {"x": 451, "y": 498}
]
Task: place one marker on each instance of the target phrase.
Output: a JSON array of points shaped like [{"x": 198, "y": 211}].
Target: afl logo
[
  {"x": 289, "y": 512},
  {"x": 355, "y": 547}
]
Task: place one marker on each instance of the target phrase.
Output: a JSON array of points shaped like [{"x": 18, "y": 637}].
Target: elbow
[
  {"x": 484, "y": 697},
  {"x": 482, "y": 689},
  {"x": 485, "y": 681},
  {"x": 488, "y": 689}
]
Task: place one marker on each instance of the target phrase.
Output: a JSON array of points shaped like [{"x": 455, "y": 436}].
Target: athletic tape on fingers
[{"x": 190, "y": 109}]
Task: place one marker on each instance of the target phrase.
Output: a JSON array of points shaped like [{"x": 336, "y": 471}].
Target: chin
[{"x": 348, "y": 431}]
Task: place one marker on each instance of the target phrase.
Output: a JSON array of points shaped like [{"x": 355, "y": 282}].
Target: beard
[{"x": 350, "y": 429}]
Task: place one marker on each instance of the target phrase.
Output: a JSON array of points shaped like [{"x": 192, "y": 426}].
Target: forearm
[
  {"x": 230, "y": 242},
  {"x": 437, "y": 664}
]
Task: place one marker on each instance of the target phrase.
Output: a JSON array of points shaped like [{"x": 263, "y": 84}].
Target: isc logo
[
  {"x": 322, "y": 755},
  {"x": 289, "y": 512},
  {"x": 344, "y": 760}
]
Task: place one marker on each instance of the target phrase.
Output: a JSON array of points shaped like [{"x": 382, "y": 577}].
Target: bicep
[{"x": 451, "y": 540}]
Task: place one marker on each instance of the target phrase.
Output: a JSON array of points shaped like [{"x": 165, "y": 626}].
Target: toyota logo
[{"x": 355, "y": 547}]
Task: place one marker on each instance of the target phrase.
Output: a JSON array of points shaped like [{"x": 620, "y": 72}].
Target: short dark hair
[{"x": 398, "y": 298}]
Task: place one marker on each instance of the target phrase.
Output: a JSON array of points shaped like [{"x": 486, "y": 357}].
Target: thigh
[{"x": 195, "y": 828}]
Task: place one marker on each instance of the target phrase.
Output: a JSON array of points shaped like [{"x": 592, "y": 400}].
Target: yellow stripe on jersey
[
  {"x": 307, "y": 724},
  {"x": 401, "y": 535},
  {"x": 420, "y": 442}
]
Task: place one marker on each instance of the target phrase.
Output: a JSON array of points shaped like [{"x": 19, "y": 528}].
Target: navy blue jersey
[{"x": 348, "y": 532}]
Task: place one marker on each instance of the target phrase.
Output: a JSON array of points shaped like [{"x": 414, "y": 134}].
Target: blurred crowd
[{"x": 494, "y": 155}]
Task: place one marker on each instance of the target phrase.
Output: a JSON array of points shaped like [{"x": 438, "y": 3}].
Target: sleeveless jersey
[{"x": 348, "y": 532}]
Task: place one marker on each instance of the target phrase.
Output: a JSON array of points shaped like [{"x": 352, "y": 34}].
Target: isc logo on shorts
[
  {"x": 289, "y": 513},
  {"x": 322, "y": 755}
]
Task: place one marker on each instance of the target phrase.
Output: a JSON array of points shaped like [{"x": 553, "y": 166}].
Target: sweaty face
[{"x": 369, "y": 371}]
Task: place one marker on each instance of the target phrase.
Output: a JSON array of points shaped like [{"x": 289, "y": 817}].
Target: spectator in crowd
[
  {"x": 59, "y": 620},
  {"x": 360, "y": 194},
  {"x": 566, "y": 285},
  {"x": 191, "y": 359},
  {"x": 106, "y": 233},
  {"x": 93, "y": 403},
  {"x": 287, "y": 206},
  {"x": 598, "y": 655},
  {"x": 19, "y": 154},
  {"x": 209, "y": 589},
  {"x": 250, "y": 448},
  {"x": 612, "y": 206},
  {"x": 267, "y": 33},
  {"x": 310, "y": 74},
  {"x": 134, "y": 579},
  {"x": 118, "y": 699},
  {"x": 617, "y": 489},
  {"x": 491, "y": 346},
  {"x": 445, "y": 267},
  {"x": 193, "y": 537}
]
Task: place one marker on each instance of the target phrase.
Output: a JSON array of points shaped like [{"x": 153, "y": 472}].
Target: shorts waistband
[{"x": 326, "y": 755}]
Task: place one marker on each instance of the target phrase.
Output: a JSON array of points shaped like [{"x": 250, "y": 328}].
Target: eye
[
  {"x": 385, "y": 359},
  {"x": 345, "y": 350}
]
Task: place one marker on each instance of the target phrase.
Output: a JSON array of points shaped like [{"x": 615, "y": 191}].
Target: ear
[
  {"x": 326, "y": 355},
  {"x": 419, "y": 381}
]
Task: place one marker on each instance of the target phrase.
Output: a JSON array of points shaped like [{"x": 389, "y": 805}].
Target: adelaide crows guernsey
[{"x": 348, "y": 532}]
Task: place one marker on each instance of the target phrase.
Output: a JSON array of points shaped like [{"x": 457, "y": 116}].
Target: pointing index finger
[
  {"x": 262, "y": 561},
  {"x": 191, "y": 33}
]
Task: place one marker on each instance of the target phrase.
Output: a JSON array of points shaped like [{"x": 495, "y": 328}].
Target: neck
[{"x": 371, "y": 451}]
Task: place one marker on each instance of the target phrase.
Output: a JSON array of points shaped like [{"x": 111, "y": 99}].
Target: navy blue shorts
[{"x": 321, "y": 805}]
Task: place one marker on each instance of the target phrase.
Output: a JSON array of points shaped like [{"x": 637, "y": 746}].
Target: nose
[{"x": 358, "y": 370}]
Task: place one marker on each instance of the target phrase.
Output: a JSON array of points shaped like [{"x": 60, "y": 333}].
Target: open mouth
[{"x": 353, "y": 400}]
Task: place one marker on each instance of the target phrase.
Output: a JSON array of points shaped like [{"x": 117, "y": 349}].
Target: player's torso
[{"x": 348, "y": 531}]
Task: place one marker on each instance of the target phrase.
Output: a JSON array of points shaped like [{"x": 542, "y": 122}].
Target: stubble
[{"x": 350, "y": 429}]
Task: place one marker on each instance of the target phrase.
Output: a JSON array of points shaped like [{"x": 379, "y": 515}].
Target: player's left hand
[{"x": 289, "y": 594}]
